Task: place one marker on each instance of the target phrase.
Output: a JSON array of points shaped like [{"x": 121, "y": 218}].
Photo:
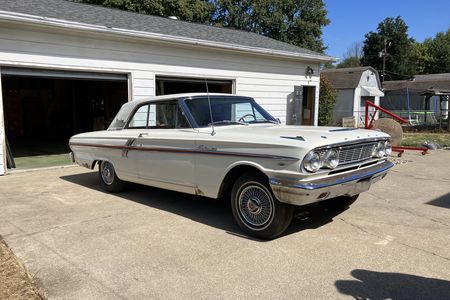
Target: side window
[
  {"x": 160, "y": 115},
  {"x": 139, "y": 119}
]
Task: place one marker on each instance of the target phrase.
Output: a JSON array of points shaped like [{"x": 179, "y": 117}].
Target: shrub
[{"x": 327, "y": 98}]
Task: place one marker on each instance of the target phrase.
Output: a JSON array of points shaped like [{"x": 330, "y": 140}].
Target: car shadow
[
  {"x": 443, "y": 201},
  {"x": 380, "y": 285},
  {"x": 212, "y": 212}
]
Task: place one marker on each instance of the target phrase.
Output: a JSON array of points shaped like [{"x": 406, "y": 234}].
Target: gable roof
[
  {"x": 347, "y": 78},
  {"x": 420, "y": 83},
  {"x": 120, "y": 21}
]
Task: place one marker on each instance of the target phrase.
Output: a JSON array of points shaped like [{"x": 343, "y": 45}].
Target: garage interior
[{"x": 43, "y": 109}]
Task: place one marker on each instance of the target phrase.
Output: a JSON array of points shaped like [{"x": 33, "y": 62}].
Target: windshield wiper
[
  {"x": 264, "y": 121},
  {"x": 227, "y": 122}
]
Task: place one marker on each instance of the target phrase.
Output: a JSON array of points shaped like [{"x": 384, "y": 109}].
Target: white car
[{"x": 218, "y": 145}]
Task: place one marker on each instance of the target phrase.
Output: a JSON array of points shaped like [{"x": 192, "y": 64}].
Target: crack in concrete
[
  {"x": 419, "y": 177},
  {"x": 73, "y": 264},
  {"x": 414, "y": 213},
  {"x": 394, "y": 241},
  {"x": 29, "y": 234}
]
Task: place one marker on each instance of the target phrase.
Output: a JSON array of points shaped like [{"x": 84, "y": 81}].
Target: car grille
[{"x": 355, "y": 153}]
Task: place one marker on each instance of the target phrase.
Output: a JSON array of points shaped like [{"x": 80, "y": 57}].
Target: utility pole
[{"x": 384, "y": 54}]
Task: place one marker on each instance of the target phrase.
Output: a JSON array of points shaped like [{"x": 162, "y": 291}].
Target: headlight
[
  {"x": 379, "y": 151},
  {"x": 312, "y": 161},
  {"x": 388, "y": 147},
  {"x": 331, "y": 159}
]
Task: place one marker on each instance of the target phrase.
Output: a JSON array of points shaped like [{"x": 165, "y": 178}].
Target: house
[
  {"x": 420, "y": 99},
  {"x": 354, "y": 87},
  {"x": 67, "y": 67}
]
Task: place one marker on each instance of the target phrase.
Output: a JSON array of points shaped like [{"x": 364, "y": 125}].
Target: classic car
[{"x": 227, "y": 146}]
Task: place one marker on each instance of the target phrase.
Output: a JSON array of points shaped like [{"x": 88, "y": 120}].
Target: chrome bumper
[{"x": 301, "y": 192}]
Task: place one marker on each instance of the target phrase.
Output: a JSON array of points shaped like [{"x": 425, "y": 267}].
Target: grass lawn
[{"x": 419, "y": 138}]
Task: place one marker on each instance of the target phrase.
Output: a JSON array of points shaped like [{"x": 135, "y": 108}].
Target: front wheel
[
  {"x": 109, "y": 179},
  {"x": 255, "y": 208}
]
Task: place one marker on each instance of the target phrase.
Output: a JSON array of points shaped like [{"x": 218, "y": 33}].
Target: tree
[
  {"x": 351, "y": 57},
  {"x": 199, "y": 11},
  {"x": 327, "y": 98},
  {"x": 438, "y": 53},
  {"x": 298, "y": 22},
  {"x": 393, "y": 32}
]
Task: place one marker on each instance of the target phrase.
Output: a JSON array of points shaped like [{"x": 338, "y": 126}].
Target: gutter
[{"x": 38, "y": 20}]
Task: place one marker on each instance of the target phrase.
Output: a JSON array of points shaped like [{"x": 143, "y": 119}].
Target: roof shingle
[
  {"x": 115, "y": 18},
  {"x": 346, "y": 78}
]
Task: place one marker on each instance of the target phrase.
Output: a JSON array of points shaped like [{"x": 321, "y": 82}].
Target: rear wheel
[
  {"x": 255, "y": 208},
  {"x": 109, "y": 179},
  {"x": 339, "y": 203}
]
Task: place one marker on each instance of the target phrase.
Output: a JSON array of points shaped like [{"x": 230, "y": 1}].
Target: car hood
[{"x": 303, "y": 136}]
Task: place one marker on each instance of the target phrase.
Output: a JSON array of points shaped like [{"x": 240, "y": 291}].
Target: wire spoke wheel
[
  {"x": 256, "y": 205},
  {"x": 107, "y": 173}
]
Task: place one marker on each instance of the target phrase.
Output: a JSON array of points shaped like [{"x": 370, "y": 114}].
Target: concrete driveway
[{"x": 81, "y": 242}]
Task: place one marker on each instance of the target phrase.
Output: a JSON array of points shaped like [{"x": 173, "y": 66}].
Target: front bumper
[{"x": 301, "y": 192}]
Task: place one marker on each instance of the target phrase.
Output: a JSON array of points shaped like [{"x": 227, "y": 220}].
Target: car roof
[{"x": 176, "y": 96}]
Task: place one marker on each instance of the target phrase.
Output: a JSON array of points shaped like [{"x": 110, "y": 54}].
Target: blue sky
[{"x": 351, "y": 19}]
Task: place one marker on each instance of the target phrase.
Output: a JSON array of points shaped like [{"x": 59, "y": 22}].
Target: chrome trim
[
  {"x": 198, "y": 150},
  {"x": 337, "y": 145},
  {"x": 351, "y": 143},
  {"x": 303, "y": 191}
]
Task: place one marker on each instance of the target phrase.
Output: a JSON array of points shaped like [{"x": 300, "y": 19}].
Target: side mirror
[{"x": 278, "y": 120}]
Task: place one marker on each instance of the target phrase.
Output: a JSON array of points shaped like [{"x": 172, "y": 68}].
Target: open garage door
[
  {"x": 177, "y": 85},
  {"x": 43, "y": 108}
]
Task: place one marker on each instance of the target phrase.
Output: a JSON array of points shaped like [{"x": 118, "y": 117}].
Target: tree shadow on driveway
[
  {"x": 443, "y": 201},
  {"x": 212, "y": 212},
  {"x": 380, "y": 285}
]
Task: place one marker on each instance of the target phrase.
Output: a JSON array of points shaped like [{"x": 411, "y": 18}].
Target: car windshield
[{"x": 227, "y": 111}]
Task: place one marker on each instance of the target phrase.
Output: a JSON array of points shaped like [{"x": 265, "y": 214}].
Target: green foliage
[
  {"x": 327, "y": 99},
  {"x": 438, "y": 53},
  {"x": 406, "y": 57},
  {"x": 298, "y": 22},
  {"x": 349, "y": 62},
  {"x": 352, "y": 57},
  {"x": 395, "y": 32},
  {"x": 199, "y": 11}
]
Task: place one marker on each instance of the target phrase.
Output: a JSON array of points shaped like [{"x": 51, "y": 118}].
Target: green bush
[{"x": 327, "y": 98}]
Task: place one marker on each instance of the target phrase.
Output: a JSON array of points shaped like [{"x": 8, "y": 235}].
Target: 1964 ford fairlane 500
[{"x": 218, "y": 145}]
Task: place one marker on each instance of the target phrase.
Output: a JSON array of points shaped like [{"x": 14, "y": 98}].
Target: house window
[{"x": 367, "y": 98}]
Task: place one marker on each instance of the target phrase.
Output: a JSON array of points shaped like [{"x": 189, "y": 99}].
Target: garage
[
  {"x": 43, "y": 108},
  {"x": 67, "y": 67}
]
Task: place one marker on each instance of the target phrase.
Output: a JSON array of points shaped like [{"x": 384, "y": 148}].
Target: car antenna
[{"x": 210, "y": 109}]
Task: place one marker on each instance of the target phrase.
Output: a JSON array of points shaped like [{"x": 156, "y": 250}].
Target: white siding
[
  {"x": 2, "y": 133},
  {"x": 269, "y": 79},
  {"x": 368, "y": 78},
  {"x": 343, "y": 106}
]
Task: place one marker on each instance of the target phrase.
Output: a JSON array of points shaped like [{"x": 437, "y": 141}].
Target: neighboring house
[
  {"x": 407, "y": 97},
  {"x": 67, "y": 67},
  {"x": 354, "y": 87}
]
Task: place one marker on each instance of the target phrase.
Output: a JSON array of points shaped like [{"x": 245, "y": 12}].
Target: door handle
[{"x": 142, "y": 134}]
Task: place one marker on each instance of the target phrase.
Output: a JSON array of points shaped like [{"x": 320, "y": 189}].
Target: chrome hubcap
[
  {"x": 255, "y": 205},
  {"x": 107, "y": 173}
]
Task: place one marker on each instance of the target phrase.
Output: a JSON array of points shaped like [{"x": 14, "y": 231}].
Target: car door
[{"x": 165, "y": 147}]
